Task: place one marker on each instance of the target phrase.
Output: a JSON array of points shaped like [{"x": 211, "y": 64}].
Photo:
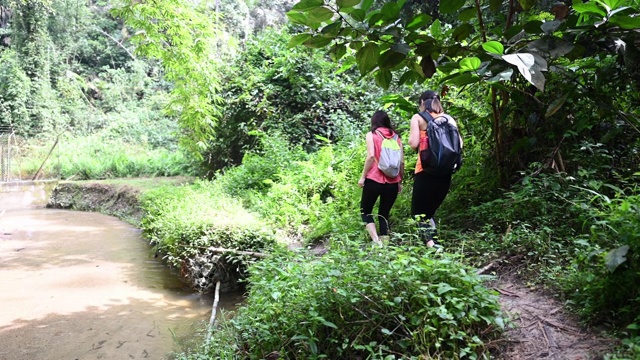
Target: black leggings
[
  {"x": 428, "y": 193},
  {"x": 370, "y": 193}
]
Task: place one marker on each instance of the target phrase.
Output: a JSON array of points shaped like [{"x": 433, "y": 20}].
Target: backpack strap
[
  {"x": 394, "y": 136},
  {"x": 426, "y": 116}
]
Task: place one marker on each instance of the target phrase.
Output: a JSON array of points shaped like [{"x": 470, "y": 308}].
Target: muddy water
[{"x": 78, "y": 285}]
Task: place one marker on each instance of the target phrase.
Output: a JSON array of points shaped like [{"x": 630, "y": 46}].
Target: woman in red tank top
[{"x": 374, "y": 183}]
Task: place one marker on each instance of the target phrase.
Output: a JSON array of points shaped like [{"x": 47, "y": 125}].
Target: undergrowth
[{"x": 360, "y": 302}]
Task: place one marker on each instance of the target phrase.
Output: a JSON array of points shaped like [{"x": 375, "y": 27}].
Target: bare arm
[
  {"x": 414, "y": 131},
  {"x": 370, "y": 159}
]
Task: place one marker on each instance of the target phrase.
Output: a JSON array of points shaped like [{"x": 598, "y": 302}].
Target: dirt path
[{"x": 541, "y": 329}]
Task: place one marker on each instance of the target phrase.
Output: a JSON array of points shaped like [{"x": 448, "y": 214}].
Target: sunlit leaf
[
  {"x": 470, "y": 64},
  {"x": 493, "y": 47},
  {"x": 589, "y": 8}
]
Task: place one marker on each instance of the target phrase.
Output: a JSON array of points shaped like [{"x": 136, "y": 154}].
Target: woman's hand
[
  {"x": 361, "y": 181},
  {"x": 399, "y": 188}
]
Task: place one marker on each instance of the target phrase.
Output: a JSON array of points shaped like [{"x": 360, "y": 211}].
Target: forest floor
[{"x": 538, "y": 325}]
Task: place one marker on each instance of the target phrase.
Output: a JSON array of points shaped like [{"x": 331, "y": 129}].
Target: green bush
[
  {"x": 183, "y": 221},
  {"x": 391, "y": 303},
  {"x": 602, "y": 285}
]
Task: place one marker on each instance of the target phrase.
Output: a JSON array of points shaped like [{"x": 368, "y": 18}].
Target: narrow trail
[{"x": 540, "y": 328}]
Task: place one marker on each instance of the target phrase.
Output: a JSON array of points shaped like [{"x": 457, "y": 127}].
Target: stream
[{"x": 82, "y": 285}]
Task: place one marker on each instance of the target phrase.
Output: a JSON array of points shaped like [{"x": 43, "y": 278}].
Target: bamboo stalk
[{"x": 214, "y": 311}]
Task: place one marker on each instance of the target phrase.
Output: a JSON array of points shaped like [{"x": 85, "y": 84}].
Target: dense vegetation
[{"x": 270, "y": 115}]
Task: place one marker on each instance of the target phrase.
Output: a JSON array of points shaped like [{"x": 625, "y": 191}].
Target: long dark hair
[
  {"x": 431, "y": 101},
  {"x": 380, "y": 119}
]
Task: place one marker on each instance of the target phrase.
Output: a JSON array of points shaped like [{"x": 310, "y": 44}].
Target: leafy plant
[{"x": 403, "y": 302}]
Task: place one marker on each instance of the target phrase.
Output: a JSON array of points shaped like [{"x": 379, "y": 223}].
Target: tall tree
[
  {"x": 501, "y": 47},
  {"x": 183, "y": 37}
]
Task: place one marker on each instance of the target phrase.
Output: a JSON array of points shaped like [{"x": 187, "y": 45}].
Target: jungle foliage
[{"x": 546, "y": 95}]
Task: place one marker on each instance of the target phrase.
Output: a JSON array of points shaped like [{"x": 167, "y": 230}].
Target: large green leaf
[
  {"x": 556, "y": 105},
  {"x": 626, "y": 22},
  {"x": 493, "y": 47},
  {"x": 332, "y": 30},
  {"x": 418, "y": 22},
  {"x": 464, "y": 79},
  {"x": 451, "y": 6},
  {"x": 347, "y": 3},
  {"x": 383, "y": 78},
  {"x": 366, "y": 4},
  {"x": 298, "y": 39},
  {"x": 401, "y": 48},
  {"x": 470, "y": 64},
  {"x": 462, "y": 32},
  {"x": 390, "y": 11},
  {"x": 527, "y": 4},
  {"x": 305, "y": 5},
  {"x": 616, "y": 257},
  {"x": 297, "y": 17},
  {"x": 495, "y": 5},
  {"x": 317, "y": 42},
  {"x": 588, "y": 8},
  {"x": 367, "y": 58},
  {"x": 337, "y": 52},
  {"x": 358, "y": 15},
  {"x": 389, "y": 59},
  {"x": 320, "y": 14},
  {"x": 467, "y": 14}
]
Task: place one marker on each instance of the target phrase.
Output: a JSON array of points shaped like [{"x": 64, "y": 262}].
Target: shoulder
[
  {"x": 416, "y": 118},
  {"x": 451, "y": 120}
]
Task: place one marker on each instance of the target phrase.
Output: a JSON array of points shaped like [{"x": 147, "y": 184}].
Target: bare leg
[{"x": 371, "y": 229}]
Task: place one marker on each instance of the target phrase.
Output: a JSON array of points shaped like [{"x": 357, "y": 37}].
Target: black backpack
[{"x": 442, "y": 154}]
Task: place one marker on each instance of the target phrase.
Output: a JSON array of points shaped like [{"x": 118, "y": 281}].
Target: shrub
[{"x": 399, "y": 302}]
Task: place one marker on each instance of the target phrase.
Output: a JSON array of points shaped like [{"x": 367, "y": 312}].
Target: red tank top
[{"x": 374, "y": 173}]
